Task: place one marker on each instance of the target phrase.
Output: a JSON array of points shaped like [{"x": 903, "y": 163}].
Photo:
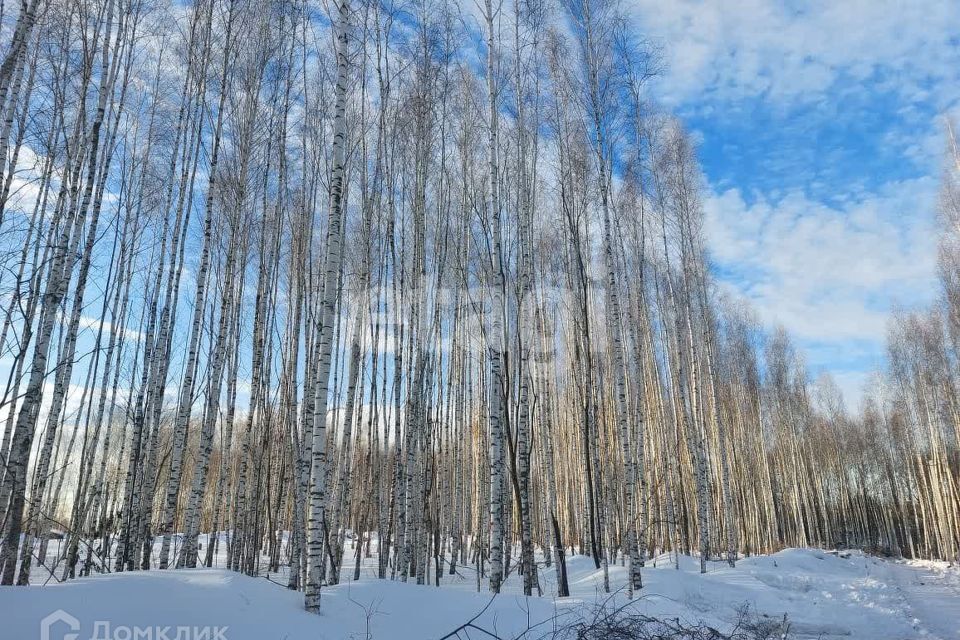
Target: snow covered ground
[{"x": 823, "y": 596}]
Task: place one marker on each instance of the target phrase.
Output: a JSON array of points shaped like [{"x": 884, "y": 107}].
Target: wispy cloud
[
  {"x": 798, "y": 49},
  {"x": 829, "y": 274},
  {"x": 821, "y": 140}
]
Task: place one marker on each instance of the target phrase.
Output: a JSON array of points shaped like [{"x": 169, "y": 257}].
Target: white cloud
[
  {"x": 95, "y": 324},
  {"x": 829, "y": 274},
  {"x": 828, "y": 271},
  {"x": 789, "y": 50}
]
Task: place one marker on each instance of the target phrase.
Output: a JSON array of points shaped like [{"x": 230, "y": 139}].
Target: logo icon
[{"x": 46, "y": 624}]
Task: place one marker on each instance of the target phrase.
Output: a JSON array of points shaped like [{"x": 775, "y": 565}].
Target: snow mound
[{"x": 823, "y": 596}]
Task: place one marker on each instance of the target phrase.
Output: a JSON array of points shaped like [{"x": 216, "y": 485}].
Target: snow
[{"x": 824, "y": 595}]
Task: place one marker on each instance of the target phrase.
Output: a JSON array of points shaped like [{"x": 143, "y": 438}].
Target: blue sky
[{"x": 820, "y": 128}]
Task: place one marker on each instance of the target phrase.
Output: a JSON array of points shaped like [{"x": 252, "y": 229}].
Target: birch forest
[{"x": 418, "y": 281}]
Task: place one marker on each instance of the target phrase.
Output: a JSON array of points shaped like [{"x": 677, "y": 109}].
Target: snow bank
[{"x": 822, "y": 594}]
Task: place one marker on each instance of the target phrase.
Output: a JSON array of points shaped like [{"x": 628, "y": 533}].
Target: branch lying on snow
[
  {"x": 615, "y": 623},
  {"x": 607, "y": 621}
]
